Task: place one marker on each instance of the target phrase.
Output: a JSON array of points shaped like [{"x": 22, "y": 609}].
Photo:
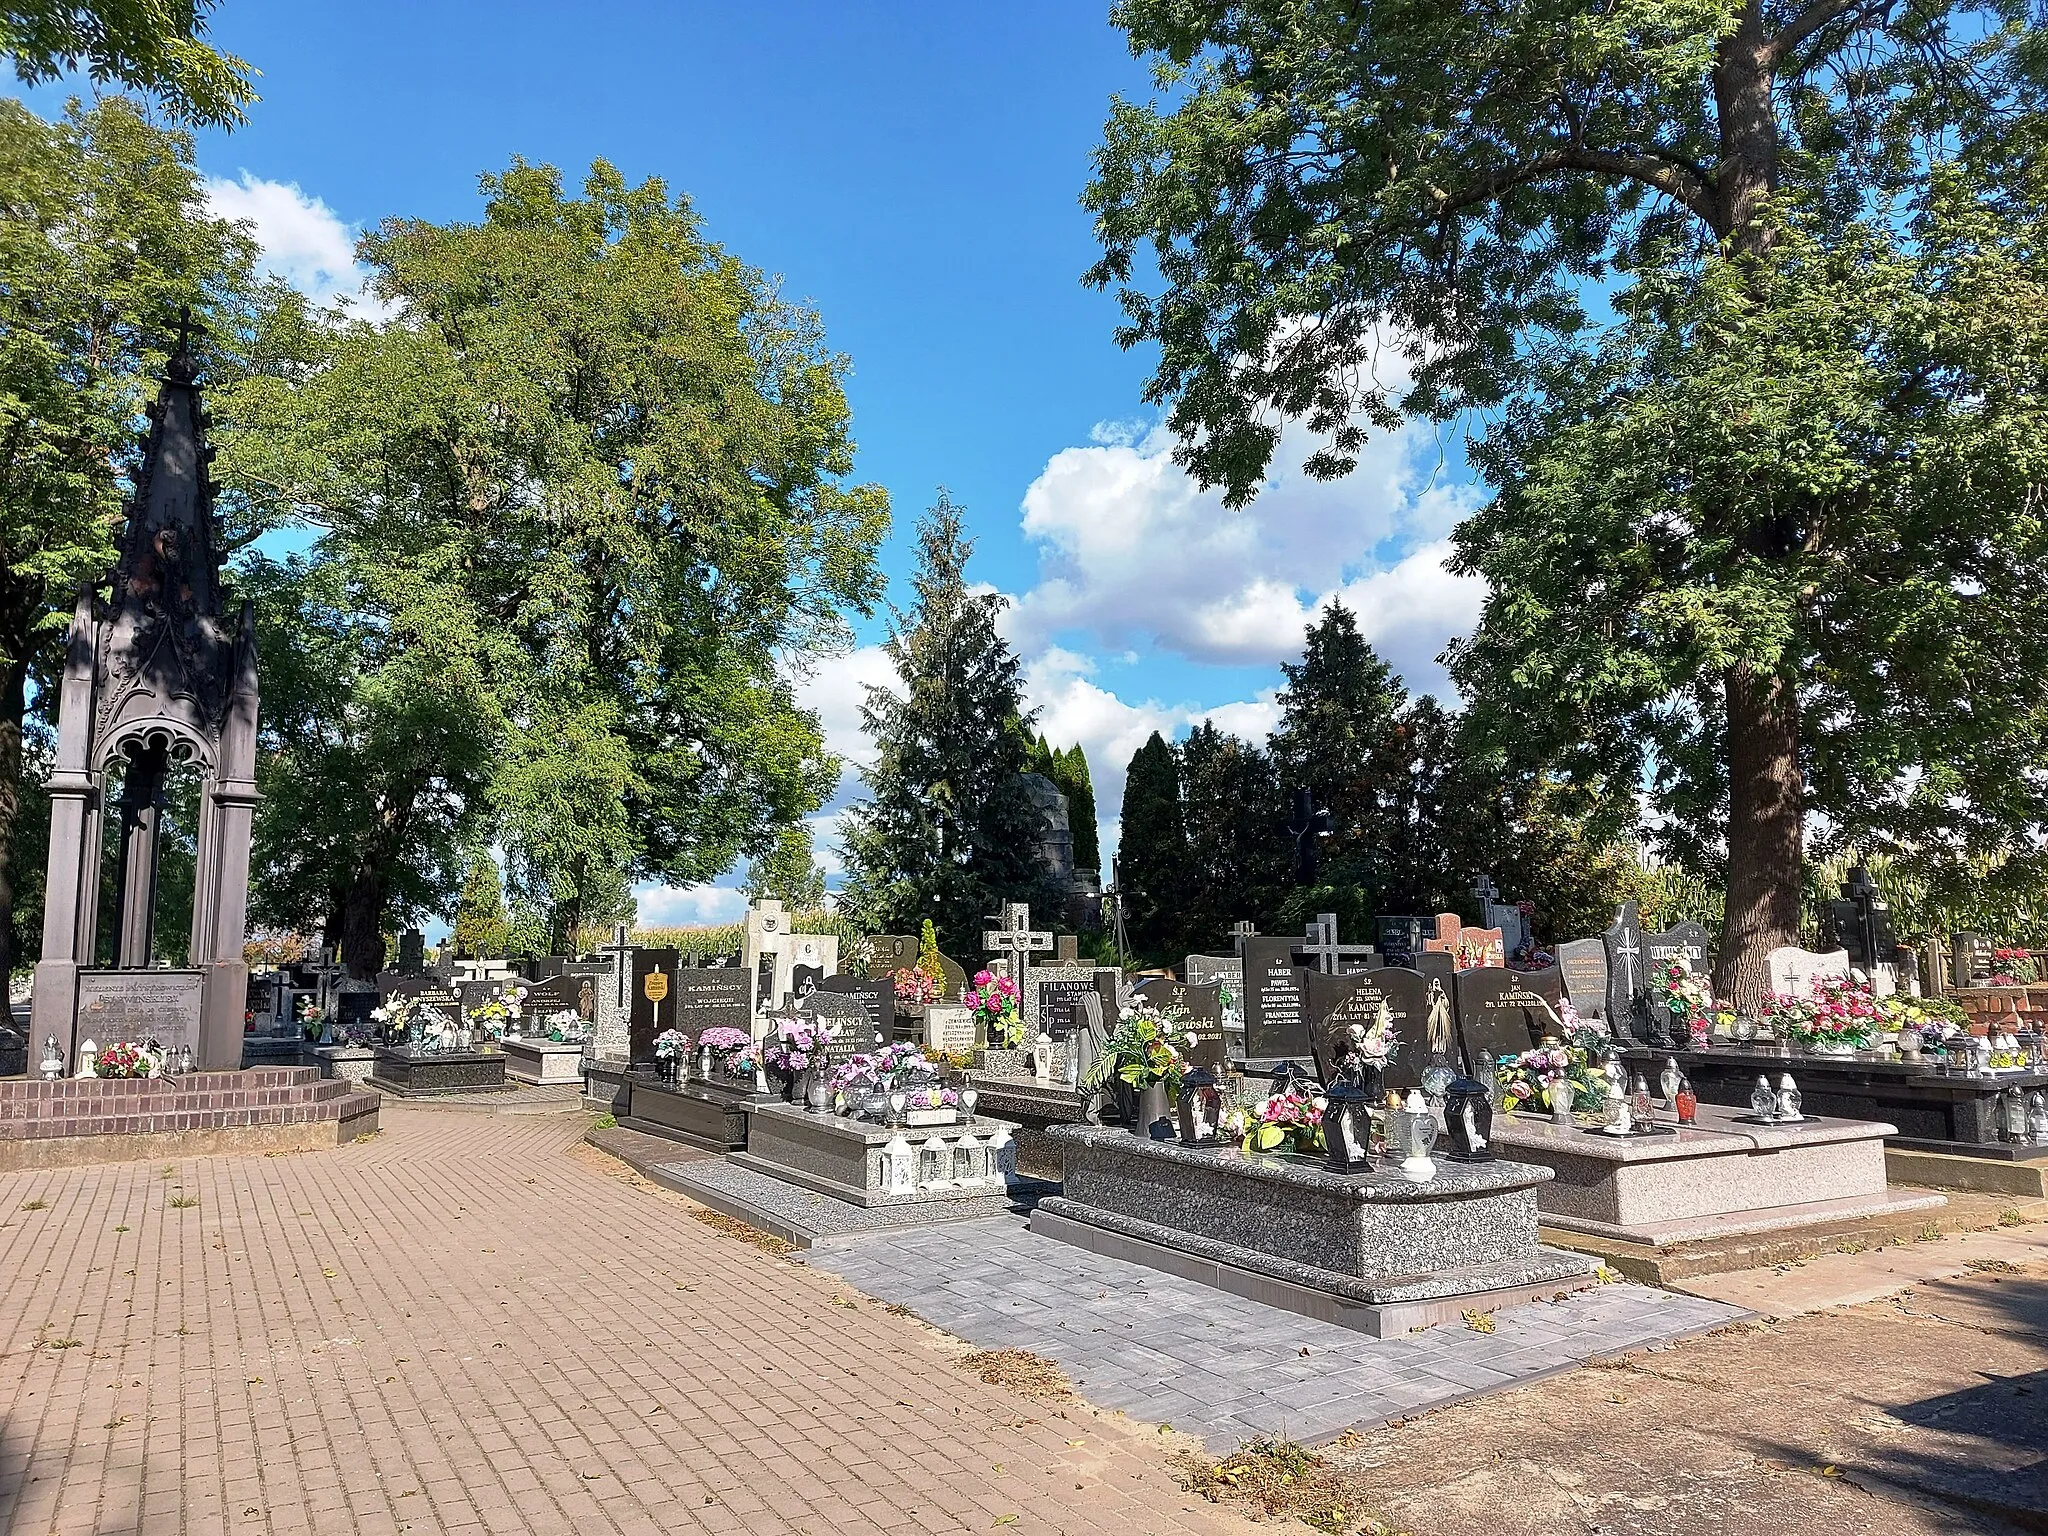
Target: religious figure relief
[{"x": 1438, "y": 1022}]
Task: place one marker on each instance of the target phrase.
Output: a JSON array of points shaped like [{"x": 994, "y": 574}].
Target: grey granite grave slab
[
  {"x": 542, "y": 1062},
  {"x": 1721, "y": 1178},
  {"x": 843, "y": 1157},
  {"x": 701, "y": 1114},
  {"x": 1167, "y": 1349},
  {"x": 408, "y": 1072},
  {"x": 1372, "y": 1250}
]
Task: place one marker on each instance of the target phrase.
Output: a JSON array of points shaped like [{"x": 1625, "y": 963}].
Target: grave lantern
[
  {"x": 53, "y": 1060},
  {"x": 1201, "y": 1108},
  {"x": 1347, "y": 1127},
  {"x": 2013, "y": 1115},
  {"x": 1763, "y": 1099},
  {"x": 967, "y": 1163},
  {"x": 902, "y": 1165},
  {"x": 1789, "y": 1099},
  {"x": 2037, "y": 1118},
  {"x": 1418, "y": 1135},
  {"x": 1468, "y": 1122},
  {"x": 934, "y": 1167}
]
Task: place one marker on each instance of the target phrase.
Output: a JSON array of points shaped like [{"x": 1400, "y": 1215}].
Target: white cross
[{"x": 1628, "y": 949}]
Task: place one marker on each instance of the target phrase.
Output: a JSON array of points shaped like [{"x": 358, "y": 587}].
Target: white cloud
[
  {"x": 692, "y": 906},
  {"x": 302, "y": 239},
  {"x": 1133, "y": 553}
]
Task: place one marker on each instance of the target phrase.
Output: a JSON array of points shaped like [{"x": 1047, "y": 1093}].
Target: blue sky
[{"x": 914, "y": 171}]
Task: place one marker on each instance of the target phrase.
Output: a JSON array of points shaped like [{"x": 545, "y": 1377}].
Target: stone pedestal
[
  {"x": 846, "y": 1158},
  {"x": 404, "y": 1071},
  {"x": 604, "y": 1084},
  {"x": 709, "y": 1115},
  {"x": 1366, "y": 1251},
  {"x": 352, "y": 1063},
  {"x": 1723, "y": 1178},
  {"x": 543, "y": 1062},
  {"x": 1927, "y": 1110}
]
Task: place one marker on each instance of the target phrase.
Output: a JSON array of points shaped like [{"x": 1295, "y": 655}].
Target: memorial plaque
[
  {"x": 949, "y": 1027},
  {"x": 893, "y": 952},
  {"x": 1335, "y": 1002},
  {"x": 1226, "y": 974},
  {"x": 1499, "y": 1014},
  {"x": 1686, "y": 942},
  {"x": 130, "y": 1007},
  {"x": 353, "y": 1009},
  {"x": 710, "y": 997},
  {"x": 1583, "y": 966},
  {"x": 433, "y": 1003},
  {"x": 1059, "y": 999},
  {"x": 550, "y": 995},
  {"x": 1275, "y": 1002},
  {"x": 1400, "y": 938}
]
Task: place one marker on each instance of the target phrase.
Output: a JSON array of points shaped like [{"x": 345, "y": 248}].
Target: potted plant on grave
[
  {"x": 671, "y": 1051},
  {"x": 1144, "y": 1053},
  {"x": 998, "y": 1009},
  {"x": 1839, "y": 1018},
  {"x": 2013, "y": 968}
]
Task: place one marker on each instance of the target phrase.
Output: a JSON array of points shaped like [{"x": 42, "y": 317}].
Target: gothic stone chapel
[{"x": 155, "y": 683}]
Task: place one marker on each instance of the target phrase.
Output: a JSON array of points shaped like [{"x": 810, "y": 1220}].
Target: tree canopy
[{"x": 157, "y": 47}]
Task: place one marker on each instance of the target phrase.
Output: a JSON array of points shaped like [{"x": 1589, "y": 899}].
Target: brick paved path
[{"x": 468, "y": 1324}]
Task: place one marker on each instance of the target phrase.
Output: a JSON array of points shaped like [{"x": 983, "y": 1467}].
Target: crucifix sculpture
[
  {"x": 1014, "y": 939},
  {"x": 1322, "y": 948},
  {"x": 1307, "y": 825}
]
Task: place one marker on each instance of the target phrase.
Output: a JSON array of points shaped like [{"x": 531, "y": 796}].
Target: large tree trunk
[
  {"x": 361, "y": 933},
  {"x": 1766, "y": 821}
]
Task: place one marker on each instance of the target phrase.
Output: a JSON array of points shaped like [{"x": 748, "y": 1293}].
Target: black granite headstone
[
  {"x": 1275, "y": 1002},
  {"x": 650, "y": 1017},
  {"x": 708, "y": 997},
  {"x": 878, "y": 1007},
  {"x": 1059, "y": 1000},
  {"x": 1335, "y": 1002},
  {"x": 1203, "y": 1008},
  {"x": 1627, "y": 975},
  {"x": 1499, "y": 1014}
]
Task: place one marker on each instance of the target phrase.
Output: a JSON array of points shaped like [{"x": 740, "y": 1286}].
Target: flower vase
[{"x": 1151, "y": 1109}]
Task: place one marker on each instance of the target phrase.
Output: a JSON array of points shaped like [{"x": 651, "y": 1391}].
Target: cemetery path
[{"x": 468, "y": 1323}]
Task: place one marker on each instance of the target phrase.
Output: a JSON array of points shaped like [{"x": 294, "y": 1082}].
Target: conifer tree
[
  {"x": 482, "y": 926},
  {"x": 1152, "y": 851},
  {"x": 948, "y": 832}
]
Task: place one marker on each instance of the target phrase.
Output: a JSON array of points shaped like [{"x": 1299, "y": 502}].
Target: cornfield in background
[{"x": 696, "y": 945}]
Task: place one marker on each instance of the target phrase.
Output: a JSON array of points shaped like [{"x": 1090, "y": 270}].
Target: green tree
[
  {"x": 104, "y": 238},
  {"x": 624, "y": 458},
  {"x": 1239, "y": 854},
  {"x": 789, "y": 872},
  {"x": 1334, "y": 179},
  {"x": 482, "y": 928},
  {"x": 1153, "y": 870},
  {"x": 156, "y": 47},
  {"x": 947, "y": 832},
  {"x": 1340, "y": 734}
]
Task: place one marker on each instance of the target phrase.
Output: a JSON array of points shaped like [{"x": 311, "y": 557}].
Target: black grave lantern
[
  {"x": 1201, "y": 1108},
  {"x": 1347, "y": 1127},
  {"x": 1468, "y": 1122},
  {"x": 1289, "y": 1075}
]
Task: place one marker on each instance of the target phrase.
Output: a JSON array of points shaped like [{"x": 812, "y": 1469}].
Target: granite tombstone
[
  {"x": 1275, "y": 1002},
  {"x": 1499, "y": 1014},
  {"x": 1582, "y": 967},
  {"x": 1335, "y": 1003},
  {"x": 1626, "y": 976}
]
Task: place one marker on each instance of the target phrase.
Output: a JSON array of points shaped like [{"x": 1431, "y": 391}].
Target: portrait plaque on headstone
[
  {"x": 1275, "y": 1002},
  {"x": 803, "y": 980}
]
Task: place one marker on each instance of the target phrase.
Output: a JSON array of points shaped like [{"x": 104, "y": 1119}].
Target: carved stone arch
[{"x": 178, "y": 741}]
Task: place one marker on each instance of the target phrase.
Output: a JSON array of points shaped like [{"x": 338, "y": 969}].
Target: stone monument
[{"x": 156, "y": 675}]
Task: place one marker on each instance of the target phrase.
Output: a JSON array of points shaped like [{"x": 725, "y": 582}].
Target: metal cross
[
  {"x": 622, "y": 967},
  {"x": 1322, "y": 946},
  {"x": 1013, "y": 937}
]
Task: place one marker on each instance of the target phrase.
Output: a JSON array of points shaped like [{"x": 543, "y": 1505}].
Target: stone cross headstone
[
  {"x": 771, "y": 953},
  {"x": 1322, "y": 952},
  {"x": 1794, "y": 970},
  {"x": 612, "y": 1025},
  {"x": 1582, "y": 964},
  {"x": 1626, "y": 975},
  {"x": 412, "y": 952},
  {"x": 1014, "y": 940}
]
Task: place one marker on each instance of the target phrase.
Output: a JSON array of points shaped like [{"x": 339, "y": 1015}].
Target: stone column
[{"x": 71, "y": 889}]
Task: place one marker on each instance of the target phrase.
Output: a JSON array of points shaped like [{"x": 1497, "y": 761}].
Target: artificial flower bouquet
[
  {"x": 1526, "y": 1080},
  {"x": 1374, "y": 1045},
  {"x": 1146, "y": 1048},
  {"x": 998, "y": 1008},
  {"x": 309, "y": 1018},
  {"x": 127, "y": 1059},
  {"x": 727, "y": 1045},
  {"x": 1840, "y": 1013},
  {"x": 671, "y": 1045},
  {"x": 1292, "y": 1118},
  {"x": 915, "y": 989},
  {"x": 1689, "y": 998},
  {"x": 2013, "y": 968},
  {"x": 797, "y": 1042},
  {"x": 566, "y": 1026},
  {"x": 494, "y": 1016}
]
